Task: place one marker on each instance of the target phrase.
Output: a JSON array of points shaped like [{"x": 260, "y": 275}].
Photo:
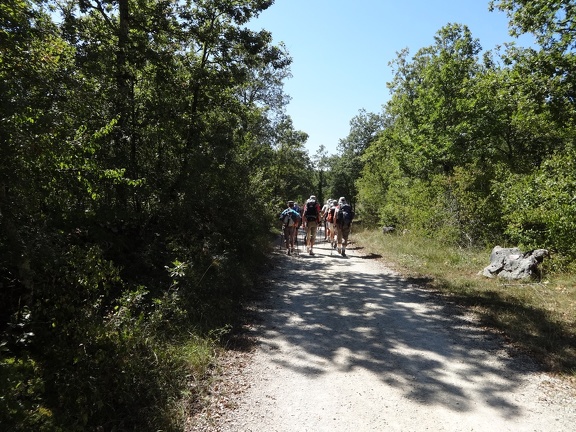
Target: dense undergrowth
[{"x": 119, "y": 356}]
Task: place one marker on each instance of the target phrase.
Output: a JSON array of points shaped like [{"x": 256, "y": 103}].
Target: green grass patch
[{"x": 538, "y": 317}]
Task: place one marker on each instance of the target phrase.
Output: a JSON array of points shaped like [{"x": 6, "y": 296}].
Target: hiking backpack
[
  {"x": 345, "y": 215},
  {"x": 311, "y": 211},
  {"x": 289, "y": 217},
  {"x": 331, "y": 211}
]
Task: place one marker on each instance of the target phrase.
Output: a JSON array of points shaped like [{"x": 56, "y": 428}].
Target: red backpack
[{"x": 330, "y": 217}]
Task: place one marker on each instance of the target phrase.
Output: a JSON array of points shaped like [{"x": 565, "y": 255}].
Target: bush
[
  {"x": 93, "y": 354},
  {"x": 540, "y": 208}
]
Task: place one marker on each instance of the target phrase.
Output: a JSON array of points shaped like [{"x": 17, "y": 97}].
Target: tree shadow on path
[{"x": 354, "y": 313}]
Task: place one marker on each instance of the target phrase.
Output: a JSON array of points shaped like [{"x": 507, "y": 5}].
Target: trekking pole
[{"x": 296, "y": 240}]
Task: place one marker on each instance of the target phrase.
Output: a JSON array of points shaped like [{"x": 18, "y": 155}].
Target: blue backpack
[
  {"x": 289, "y": 217},
  {"x": 345, "y": 215}
]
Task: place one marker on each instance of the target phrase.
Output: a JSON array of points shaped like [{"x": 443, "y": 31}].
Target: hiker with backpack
[
  {"x": 343, "y": 222},
  {"x": 290, "y": 221},
  {"x": 311, "y": 218},
  {"x": 324, "y": 215},
  {"x": 298, "y": 209},
  {"x": 330, "y": 222}
]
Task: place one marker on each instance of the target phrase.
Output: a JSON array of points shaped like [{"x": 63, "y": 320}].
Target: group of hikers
[{"x": 335, "y": 215}]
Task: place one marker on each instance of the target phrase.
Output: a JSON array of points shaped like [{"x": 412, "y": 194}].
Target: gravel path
[{"x": 346, "y": 344}]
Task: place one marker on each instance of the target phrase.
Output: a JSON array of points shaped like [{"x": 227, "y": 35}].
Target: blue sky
[{"x": 341, "y": 50}]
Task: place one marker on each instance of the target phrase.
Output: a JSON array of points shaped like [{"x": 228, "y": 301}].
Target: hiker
[
  {"x": 290, "y": 221},
  {"x": 300, "y": 211},
  {"x": 311, "y": 218},
  {"x": 330, "y": 222},
  {"x": 343, "y": 221},
  {"x": 324, "y": 211}
]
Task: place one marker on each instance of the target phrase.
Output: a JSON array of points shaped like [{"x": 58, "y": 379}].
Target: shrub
[{"x": 540, "y": 208}]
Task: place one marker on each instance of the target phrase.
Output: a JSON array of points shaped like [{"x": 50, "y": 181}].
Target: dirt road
[{"x": 346, "y": 344}]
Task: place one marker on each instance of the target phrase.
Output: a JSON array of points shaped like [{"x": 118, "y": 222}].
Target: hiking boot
[
  {"x": 311, "y": 253},
  {"x": 288, "y": 251},
  {"x": 343, "y": 253}
]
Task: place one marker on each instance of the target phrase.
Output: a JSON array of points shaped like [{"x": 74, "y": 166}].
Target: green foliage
[
  {"x": 346, "y": 169},
  {"x": 458, "y": 209},
  {"x": 432, "y": 103},
  {"x": 293, "y": 171},
  {"x": 21, "y": 406},
  {"x": 88, "y": 361},
  {"x": 540, "y": 208},
  {"x": 134, "y": 133},
  {"x": 479, "y": 153},
  {"x": 424, "y": 207},
  {"x": 551, "y": 21},
  {"x": 380, "y": 170},
  {"x": 476, "y": 209}
]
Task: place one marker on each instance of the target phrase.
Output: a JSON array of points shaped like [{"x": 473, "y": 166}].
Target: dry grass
[{"x": 536, "y": 316}]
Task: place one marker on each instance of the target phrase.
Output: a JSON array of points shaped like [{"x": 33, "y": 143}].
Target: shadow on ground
[{"x": 332, "y": 313}]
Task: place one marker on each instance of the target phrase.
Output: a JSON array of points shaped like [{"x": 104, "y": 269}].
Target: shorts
[{"x": 311, "y": 228}]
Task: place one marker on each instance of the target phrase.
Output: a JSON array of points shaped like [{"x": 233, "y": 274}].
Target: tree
[
  {"x": 380, "y": 170},
  {"x": 130, "y": 127},
  {"x": 553, "y": 24},
  {"x": 34, "y": 78},
  {"x": 320, "y": 163},
  {"x": 364, "y": 130},
  {"x": 293, "y": 169},
  {"x": 551, "y": 21},
  {"x": 433, "y": 99}
]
